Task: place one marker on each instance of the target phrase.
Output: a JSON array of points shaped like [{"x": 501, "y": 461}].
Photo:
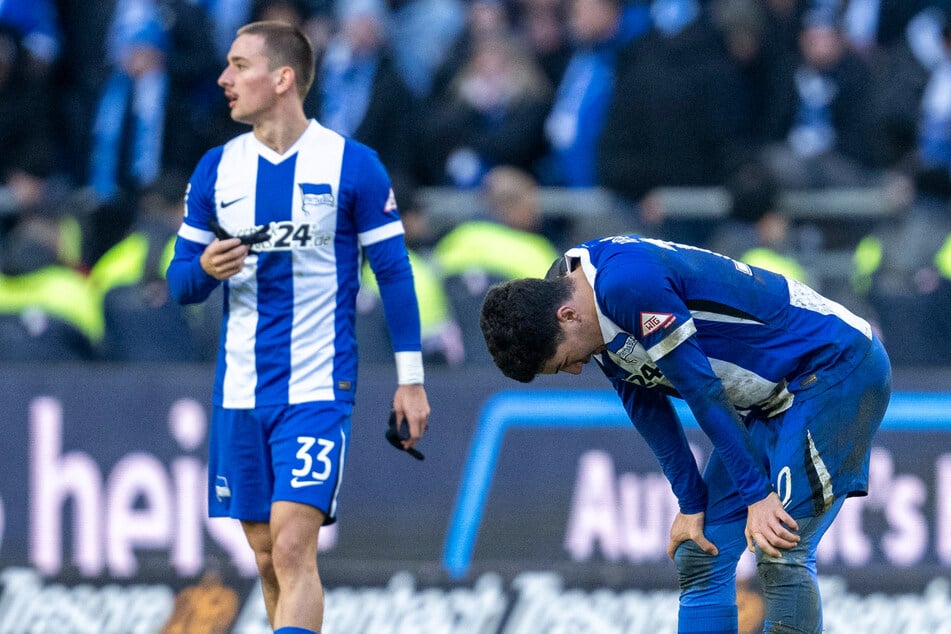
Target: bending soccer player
[
  {"x": 287, "y": 369},
  {"x": 789, "y": 386}
]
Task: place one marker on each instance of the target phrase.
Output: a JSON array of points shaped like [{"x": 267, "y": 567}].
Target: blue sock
[
  {"x": 294, "y": 630},
  {"x": 707, "y": 619}
]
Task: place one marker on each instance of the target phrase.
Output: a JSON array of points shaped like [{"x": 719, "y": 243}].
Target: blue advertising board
[{"x": 529, "y": 498}]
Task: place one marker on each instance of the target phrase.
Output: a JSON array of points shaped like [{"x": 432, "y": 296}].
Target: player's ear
[
  {"x": 286, "y": 79},
  {"x": 566, "y": 312}
]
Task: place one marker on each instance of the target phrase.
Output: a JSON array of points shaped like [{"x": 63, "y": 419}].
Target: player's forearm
[
  {"x": 689, "y": 371},
  {"x": 188, "y": 283},
  {"x": 658, "y": 424},
  {"x": 720, "y": 422},
  {"x": 401, "y": 310}
]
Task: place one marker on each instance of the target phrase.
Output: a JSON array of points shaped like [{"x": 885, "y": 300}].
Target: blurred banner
[{"x": 536, "y": 507}]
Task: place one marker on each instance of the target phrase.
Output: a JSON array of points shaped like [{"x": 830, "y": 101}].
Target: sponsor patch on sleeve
[
  {"x": 390, "y": 206},
  {"x": 652, "y": 322}
]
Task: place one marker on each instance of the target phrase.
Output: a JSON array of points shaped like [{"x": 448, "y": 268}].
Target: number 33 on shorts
[{"x": 315, "y": 467}]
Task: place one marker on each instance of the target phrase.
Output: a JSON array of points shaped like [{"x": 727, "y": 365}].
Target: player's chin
[{"x": 240, "y": 116}]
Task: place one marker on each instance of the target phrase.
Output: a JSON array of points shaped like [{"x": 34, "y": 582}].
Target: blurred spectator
[
  {"x": 226, "y": 17},
  {"x": 46, "y": 310},
  {"x": 940, "y": 307},
  {"x": 599, "y": 28},
  {"x": 784, "y": 21},
  {"x": 359, "y": 92},
  {"x": 27, "y": 160},
  {"x": 134, "y": 99},
  {"x": 293, "y": 12},
  {"x": 872, "y": 26},
  {"x": 193, "y": 69},
  {"x": 502, "y": 246},
  {"x": 902, "y": 72},
  {"x": 933, "y": 176},
  {"x": 745, "y": 27},
  {"x": 421, "y": 33},
  {"x": 821, "y": 121},
  {"x": 37, "y": 23},
  {"x": 543, "y": 25},
  {"x": 675, "y": 116},
  {"x": 141, "y": 321},
  {"x": 80, "y": 75},
  {"x": 144, "y": 253},
  {"x": 159, "y": 64},
  {"x": 493, "y": 114},
  {"x": 901, "y": 270},
  {"x": 758, "y": 231},
  {"x": 440, "y": 332},
  {"x": 485, "y": 19},
  {"x": 505, "y": 242},
  {"x": 441, "y": 336}
]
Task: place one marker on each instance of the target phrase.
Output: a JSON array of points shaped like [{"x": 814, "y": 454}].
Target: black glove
[
  {"x": 395, "y": 436},
  {"x": 261, "y": 234}
]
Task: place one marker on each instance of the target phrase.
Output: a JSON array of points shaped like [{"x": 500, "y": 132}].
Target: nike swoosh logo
[
  {"x": 231, "y": 202},
  {"x": 303, "y": 483}
]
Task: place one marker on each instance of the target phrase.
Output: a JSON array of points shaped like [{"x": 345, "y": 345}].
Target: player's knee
[
  {"x": 290, "y": 554},
  {"x": 694, "y": 567},
  {"x": 265, "y": 564},
  {"x": 793, "y": 605},
  {"x": 780, "y": 574}
]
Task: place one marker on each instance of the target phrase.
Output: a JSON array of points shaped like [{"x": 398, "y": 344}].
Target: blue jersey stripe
[
  {"x": 274, "y": 193},
  {"x": 349, "y": 260}
]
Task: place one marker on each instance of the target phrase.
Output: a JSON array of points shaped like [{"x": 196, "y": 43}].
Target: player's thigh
[
  {"x": 309, "y": 444},
  {"x": 239, "y": 465},
  {"x": 724, "y": 505},
  {"x": 822, "y": 444}
]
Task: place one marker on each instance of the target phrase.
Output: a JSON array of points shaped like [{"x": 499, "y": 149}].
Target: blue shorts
[
  {"x": 816, "y": 451},
  {"x": 291, "y": 453}
]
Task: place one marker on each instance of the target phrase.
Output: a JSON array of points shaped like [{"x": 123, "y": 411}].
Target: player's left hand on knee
[
  {"x": 689, "y": 527},
  {"x": 770, "y": 527}
]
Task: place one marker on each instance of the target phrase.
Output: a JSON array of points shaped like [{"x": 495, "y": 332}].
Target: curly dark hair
[{"x": 520, "y": 323}]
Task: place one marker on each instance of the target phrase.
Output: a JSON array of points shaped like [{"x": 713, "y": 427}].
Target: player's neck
[
  {"x": 583, "y": 296},
  {"x": 281, "y": 132}
]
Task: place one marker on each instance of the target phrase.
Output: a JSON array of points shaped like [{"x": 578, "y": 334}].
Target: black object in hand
[
  {"x": 261, "y": 234},
  {"x": 396, "y": 436}
]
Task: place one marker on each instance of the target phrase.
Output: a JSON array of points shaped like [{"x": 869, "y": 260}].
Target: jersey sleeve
[
  {"x": 187, "y": 281},
  {"x": 655, "y": 419},
  {"x": 648, "y": 306},
  {"x": 380, "y": 233}
]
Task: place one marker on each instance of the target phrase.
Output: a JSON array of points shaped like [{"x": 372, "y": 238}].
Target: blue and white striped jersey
[
  {"x": 288, "y": 333},
  {"x": 683, "y": 321}
]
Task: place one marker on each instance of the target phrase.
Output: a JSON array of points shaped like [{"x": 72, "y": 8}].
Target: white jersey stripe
[
  {"x": 804, "y": 297},
  {"x": 381, "y": 233},
  {"x": 196, "y": 235},
  {"x": 240, "y": 375}
]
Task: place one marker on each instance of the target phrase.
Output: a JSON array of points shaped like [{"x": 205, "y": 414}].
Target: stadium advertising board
[{"x": 533, "y": 506}]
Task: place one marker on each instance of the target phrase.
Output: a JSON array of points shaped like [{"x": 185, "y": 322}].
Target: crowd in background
[{"x": 106, "y": 106}]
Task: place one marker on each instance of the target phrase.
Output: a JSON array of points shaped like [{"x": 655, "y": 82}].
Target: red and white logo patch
[
  {"x": 652, "y": 322},
  {"x": 390, "y": 205}
]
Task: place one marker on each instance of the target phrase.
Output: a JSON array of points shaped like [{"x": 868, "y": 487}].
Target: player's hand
[
  {"x": 689, "y": 528},
  {"x": 410, "y": 404},
  {"x": 223, "y": 258},
  {"x": 396, "y": 434},
  {"x": 770, "y": 527}
]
